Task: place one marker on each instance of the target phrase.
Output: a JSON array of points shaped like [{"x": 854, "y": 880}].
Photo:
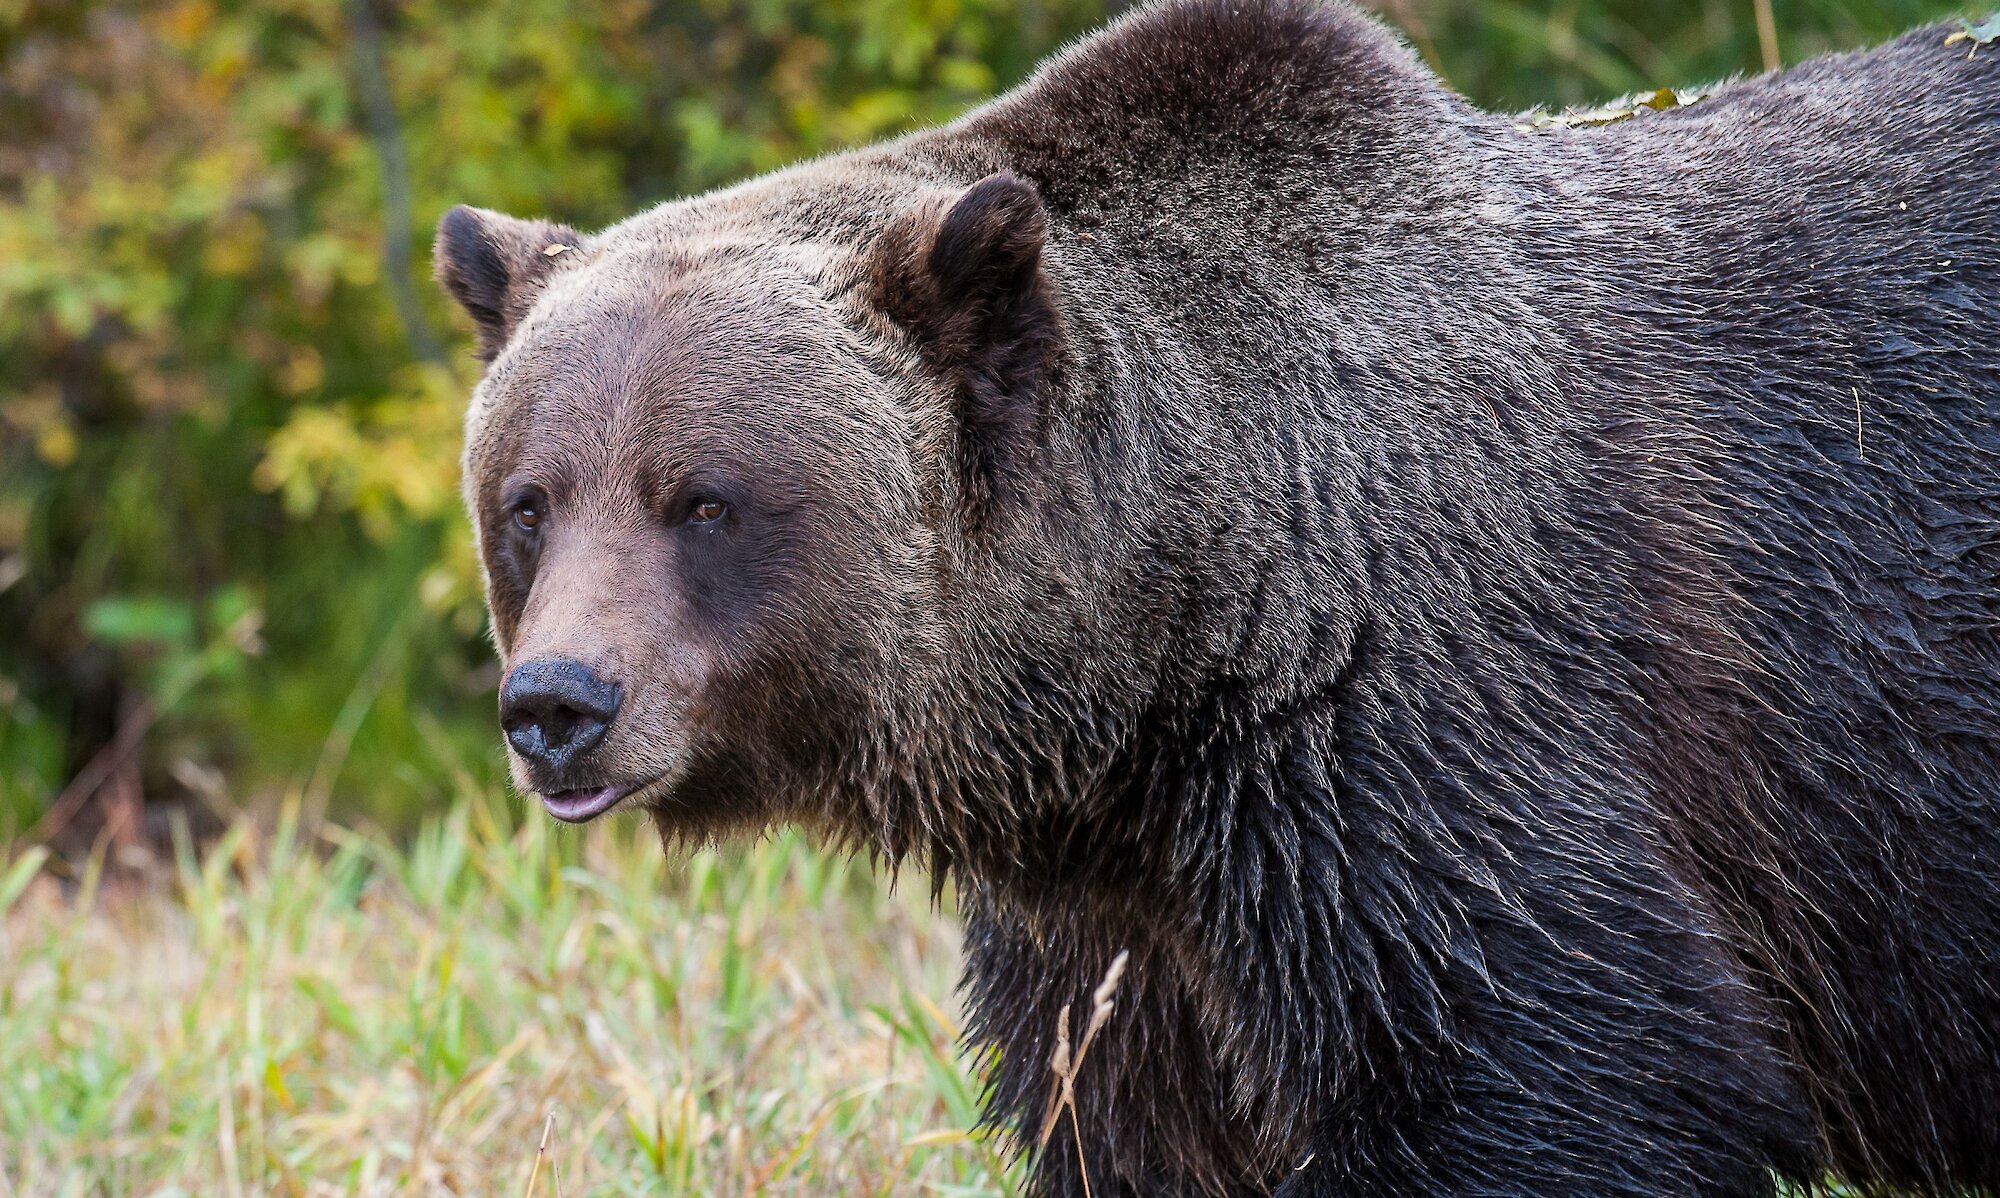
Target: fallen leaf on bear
[
  {"x": 1984, "y": 33},
  {"x": 553, "y": 250},
  {"x": 1610, "y": 113}
]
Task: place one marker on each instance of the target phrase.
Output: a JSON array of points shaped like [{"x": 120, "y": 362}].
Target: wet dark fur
[
  {"x": 1502, "y": 626},
  {"x": 1580, "y": 770}
]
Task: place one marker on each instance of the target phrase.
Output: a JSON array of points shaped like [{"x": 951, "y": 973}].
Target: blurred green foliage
[
  {"x": 229, "y": 401},
  {"x": 1519, "y": 54}
]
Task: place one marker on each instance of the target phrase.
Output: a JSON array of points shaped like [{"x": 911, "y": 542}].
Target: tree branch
[{"x": 378, "y": 110}]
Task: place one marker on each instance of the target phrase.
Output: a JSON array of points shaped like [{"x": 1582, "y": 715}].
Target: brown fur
[{"x": 1411, "y": 582}]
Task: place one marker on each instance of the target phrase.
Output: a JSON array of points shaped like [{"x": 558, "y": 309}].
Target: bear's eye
[
  {"x": 706, "y": 509},
  {"x": 527, "y": 515}
]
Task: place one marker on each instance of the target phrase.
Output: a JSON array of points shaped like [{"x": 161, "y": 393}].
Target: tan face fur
[
  {"x": 717, "y": 467},
  {"x": 688, "y": 481}
]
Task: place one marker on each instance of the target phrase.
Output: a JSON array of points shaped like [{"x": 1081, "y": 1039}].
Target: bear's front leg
[
  {"x": 1535, "y": 1128},
  {"x": 1151, "y": 1106},
  {"x": 1583, "y": 1062},
  {"x": 1562, "y": 1041}
]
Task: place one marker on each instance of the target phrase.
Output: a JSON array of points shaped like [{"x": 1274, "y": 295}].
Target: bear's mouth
[{"x": 582, "y": 806}]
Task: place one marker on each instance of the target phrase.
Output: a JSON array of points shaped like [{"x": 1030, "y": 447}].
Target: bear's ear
[
  {"x": 493, "y": 265},
  {"x": 968, "y": 284}
]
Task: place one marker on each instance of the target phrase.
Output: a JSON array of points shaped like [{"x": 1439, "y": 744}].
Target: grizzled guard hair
[{"x": 1504, "y": 626}]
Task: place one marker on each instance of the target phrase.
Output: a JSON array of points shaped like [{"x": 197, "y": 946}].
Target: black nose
[{"x": 554, "y": 710}]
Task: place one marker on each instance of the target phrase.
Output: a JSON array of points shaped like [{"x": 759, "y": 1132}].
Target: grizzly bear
[{"x": 1501, "y": 623}]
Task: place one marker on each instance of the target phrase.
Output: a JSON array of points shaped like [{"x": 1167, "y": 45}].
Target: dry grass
[{"x": 485, "y": 1010}]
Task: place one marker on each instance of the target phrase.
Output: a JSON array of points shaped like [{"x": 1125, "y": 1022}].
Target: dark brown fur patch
[{"x": 970, "y": 288}]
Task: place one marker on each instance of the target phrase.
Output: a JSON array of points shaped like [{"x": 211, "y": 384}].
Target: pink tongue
[{"x": 577, "y": 806}]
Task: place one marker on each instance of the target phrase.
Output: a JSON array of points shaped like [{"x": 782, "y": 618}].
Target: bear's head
[{"x": 740, "y": 471}]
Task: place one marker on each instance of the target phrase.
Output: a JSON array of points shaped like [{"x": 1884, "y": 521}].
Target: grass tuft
[{"x": 485, "y": 1009}]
